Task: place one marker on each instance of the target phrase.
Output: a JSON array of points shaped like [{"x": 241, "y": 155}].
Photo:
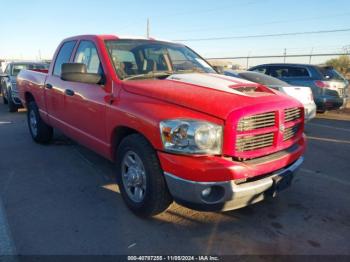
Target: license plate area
[{"x": 281, "y": 182}]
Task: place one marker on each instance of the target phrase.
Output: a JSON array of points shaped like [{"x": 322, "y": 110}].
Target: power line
[
  {"x": 332, "y": 16},
  {"x": 263, "y": 36},
  {"x": 274, "y": 56}
]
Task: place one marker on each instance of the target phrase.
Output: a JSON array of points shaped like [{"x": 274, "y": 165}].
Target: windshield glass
[
  {"x": 263, "y": 79},
  {"x": 331, "y": 74},
  {"x": 16, "y": 68},
  {"x": 134, "y": 59}
]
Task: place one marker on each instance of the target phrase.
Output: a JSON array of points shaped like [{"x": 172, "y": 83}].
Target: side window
[
  {"x": 288, "y": 71},
  {"x": 261, "y": 70},
  {"x": 279, "y": 72},
  {"x": 298, "y": 72},
  {"x": 87, "y": 54},
  {"x": 63, "y": 56}
]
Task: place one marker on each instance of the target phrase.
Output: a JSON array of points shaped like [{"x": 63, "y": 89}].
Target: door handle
[
  {"x": 48, "y": 86},
  {"x": 69, "y": 92}
]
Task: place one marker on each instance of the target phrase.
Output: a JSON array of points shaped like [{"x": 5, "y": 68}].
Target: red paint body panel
[
  {"x": 216, "y": 169},
  {"x": 95, "y": 112}
]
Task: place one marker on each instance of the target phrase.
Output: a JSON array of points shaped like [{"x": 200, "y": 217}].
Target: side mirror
[{"x": 77, "y": 72}]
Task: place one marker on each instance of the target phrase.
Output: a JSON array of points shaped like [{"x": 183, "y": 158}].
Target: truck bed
[{"x": 32, "y": 82}]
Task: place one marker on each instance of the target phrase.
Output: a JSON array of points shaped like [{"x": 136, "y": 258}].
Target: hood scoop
[
  {"x": 222, "y": 83},
  {"x": 248, "y": 89}
]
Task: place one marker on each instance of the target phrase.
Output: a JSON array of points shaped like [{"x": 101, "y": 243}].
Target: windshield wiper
[
  {"x": 193, "y": 70},
  {"x": 150, "y": 75}
]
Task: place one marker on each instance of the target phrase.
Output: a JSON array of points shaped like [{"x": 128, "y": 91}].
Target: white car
[{"x": 301, "y": 93}]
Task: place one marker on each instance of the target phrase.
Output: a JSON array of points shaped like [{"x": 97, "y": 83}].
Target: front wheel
[
  {"x": 39, "y": 130},
  {"x": 11, "y": 105},
  {"x": 140, "y": 177},
  {"x": 4, "y": 99}
]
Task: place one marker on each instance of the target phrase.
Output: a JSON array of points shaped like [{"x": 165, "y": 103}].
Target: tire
[
  {"x": 3, "y": 96},
  {"x": 39, "y": 130},
  {"x": 156, "y": 197},
  {"x": 11, "y": 105}
]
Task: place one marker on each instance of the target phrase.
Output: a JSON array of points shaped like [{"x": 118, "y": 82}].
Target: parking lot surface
[{"x": 62, "y": 199}]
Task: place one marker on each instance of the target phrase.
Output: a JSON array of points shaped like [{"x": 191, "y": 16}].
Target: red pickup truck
[{"x": 175, "y": 128}]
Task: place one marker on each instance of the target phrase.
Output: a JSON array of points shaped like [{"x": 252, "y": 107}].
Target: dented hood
[{"x": 213, "y": 94}]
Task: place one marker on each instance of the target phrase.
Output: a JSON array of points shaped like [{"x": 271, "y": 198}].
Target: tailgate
[{"x": 338, "y": 86}]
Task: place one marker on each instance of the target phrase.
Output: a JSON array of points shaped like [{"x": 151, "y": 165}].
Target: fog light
[{"x": 206, "y": 192}]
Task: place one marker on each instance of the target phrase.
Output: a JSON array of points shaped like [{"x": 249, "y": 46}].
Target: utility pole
[
  {"x": 148, "y": 28},
  {"x": 285, "y": 54},
  {"x": 312, "y": 50},
  {"x": 247, "y": 66}
]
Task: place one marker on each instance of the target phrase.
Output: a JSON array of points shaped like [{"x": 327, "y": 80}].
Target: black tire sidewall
[
  {"x": 153, "y": 172},
  {"x": 32, "y": 107},
  {"x": 3, "y": 96},
  {"x": 11, "y": 105},
  {"x": 44, "y": 132}
]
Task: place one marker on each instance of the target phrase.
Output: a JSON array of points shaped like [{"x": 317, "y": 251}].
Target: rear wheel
[
  {"x": 140, "y": 177},
  {"x": 39, "y": 130}
]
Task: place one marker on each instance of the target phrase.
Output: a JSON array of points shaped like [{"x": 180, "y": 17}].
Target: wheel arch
[
  {"x": 28, "y": 96},
  {"x": 121, "y": 132}
]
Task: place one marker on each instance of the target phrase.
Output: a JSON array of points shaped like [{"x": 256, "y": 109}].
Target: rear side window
[
  {"x": 331, "y": 74},
  {"x": 288, "y": 71},
  {"x": 63, "y": 56},
  {"x": 87, "y": 54}
]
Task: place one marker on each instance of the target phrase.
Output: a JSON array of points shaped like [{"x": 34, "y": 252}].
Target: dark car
[
  {"x": 328, "y": 86},
  {"x": 8, "y": 81}
]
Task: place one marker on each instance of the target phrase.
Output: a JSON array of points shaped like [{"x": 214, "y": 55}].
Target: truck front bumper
[
  {"x": 229, "y": 195},
  {"x": 15, "y": 98}
]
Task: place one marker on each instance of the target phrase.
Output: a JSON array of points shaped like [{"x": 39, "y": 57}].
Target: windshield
[
  {"x": 263, "y": 79},
  {"x": 134, "y": 59},
  {"x": 16, "y": 68},
  {"x": 331, "y": 74}
]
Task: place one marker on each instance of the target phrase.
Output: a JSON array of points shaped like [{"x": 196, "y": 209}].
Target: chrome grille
[
  {"x": 257, "y": 121},
  {"x": 290, "y": 132},
  {"x": 292, "y": 114},
  {"x": 248, "y": 143}
]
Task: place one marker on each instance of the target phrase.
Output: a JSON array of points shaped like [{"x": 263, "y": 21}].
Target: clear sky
[{"x": 29, "y": 27}]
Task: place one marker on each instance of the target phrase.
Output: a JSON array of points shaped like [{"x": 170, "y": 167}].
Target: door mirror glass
[{"x": 77, "y": 72}]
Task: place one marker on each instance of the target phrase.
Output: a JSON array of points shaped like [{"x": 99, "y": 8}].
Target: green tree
[{"x": 341, "y": 63}]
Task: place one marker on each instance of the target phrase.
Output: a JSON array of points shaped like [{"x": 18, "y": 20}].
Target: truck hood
[{"x": 213, "y": 94}]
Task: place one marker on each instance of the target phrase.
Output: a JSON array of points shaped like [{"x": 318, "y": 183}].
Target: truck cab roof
[{"x": 115, "y": 37}]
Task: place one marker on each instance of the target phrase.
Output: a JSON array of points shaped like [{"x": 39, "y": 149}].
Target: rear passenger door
[{"x": 85, "y": 103}]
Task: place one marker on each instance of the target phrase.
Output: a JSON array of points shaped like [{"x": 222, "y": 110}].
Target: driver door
[{"x": 85, "y": 103}]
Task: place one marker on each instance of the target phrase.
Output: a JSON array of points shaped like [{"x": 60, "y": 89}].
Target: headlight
[{"x": 191, "y": 137}]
